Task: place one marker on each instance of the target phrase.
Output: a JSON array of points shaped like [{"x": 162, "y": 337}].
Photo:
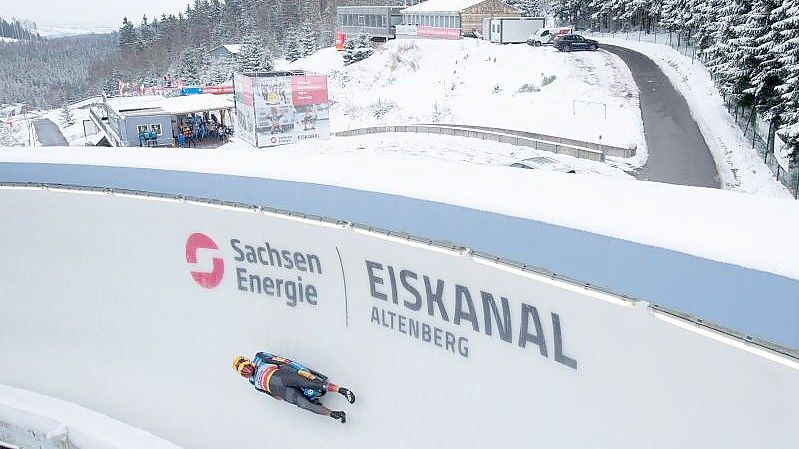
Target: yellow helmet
[{"x": 239, "y": 362}]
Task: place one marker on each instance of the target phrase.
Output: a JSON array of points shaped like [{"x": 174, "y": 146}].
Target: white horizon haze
[{"x": 90, "y": 13}]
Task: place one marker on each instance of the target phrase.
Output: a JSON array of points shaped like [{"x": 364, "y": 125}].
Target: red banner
[
  {"x": 218, "y": 90},
  {"x": 308, "y": 90},
  {"x": 438, "y": 33},
  {"x": 341, "y": 38}
]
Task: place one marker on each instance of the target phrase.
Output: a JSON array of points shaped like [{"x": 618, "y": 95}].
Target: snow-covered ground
[
  {"x": 73, "y": 133},
  {"x": 17, "y": 131},
  {"x": 473, "y": 82},
  {"x": 45, "y": 422},
  {"x": 739, "y": 166},
  {"x": 7, "y": 39}
]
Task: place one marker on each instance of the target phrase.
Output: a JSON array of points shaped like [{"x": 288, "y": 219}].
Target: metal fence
[{"x": 584, "y": 150}]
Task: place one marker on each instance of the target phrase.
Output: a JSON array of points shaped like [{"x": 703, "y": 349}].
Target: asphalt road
[
  {"x": 678, "y": 153},
  {"x": 48, "y": 133}
]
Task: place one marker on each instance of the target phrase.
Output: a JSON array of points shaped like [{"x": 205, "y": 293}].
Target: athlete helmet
[{"x": 239, "y": 362}]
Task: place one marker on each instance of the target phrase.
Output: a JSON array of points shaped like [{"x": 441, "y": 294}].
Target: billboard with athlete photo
[{"x": 286, "y": 108}]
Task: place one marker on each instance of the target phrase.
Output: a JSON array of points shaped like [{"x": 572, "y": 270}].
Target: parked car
[
  {"x": 543, "y": 163},
  {"x": 569, "y": 42},
  {"x": 545, "y": 36}
]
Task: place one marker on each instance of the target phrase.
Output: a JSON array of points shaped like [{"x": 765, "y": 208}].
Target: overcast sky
[{"x": 88, "y": 12}]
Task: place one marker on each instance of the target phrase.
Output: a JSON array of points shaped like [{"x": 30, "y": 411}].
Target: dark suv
[{"x": 569, "y": 42}]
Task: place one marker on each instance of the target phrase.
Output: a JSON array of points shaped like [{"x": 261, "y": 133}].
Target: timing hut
[
  {"x": 450, "y": 19},
  {"x": 125, "y": 120}
]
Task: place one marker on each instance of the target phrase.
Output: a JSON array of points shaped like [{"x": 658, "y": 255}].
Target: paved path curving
[
  {"x": 48, "y": 133},
  {"x": 678, "y": 153}
]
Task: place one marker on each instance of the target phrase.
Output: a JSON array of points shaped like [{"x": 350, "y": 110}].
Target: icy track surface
[{"x": 112, "y": 302}]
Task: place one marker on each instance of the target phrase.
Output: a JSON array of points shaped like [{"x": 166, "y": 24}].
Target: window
[{"x": 156, "y": 128}]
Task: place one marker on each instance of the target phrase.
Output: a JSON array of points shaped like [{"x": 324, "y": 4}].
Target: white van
[{"x": 547, "y": 35}]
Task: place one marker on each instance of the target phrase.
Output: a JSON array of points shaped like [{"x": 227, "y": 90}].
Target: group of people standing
[{"x": 204, "y": 128}]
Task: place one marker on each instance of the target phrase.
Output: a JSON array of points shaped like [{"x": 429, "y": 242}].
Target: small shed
[
  {"x": 445, "y": 18},
  {"x": 223, "y": 52}
]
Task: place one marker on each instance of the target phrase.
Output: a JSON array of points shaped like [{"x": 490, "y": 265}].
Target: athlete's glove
[{"x": 341, "y": 416}]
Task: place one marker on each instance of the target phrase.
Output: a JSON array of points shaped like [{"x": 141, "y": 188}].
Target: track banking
[{"x": 251, "y": 278}]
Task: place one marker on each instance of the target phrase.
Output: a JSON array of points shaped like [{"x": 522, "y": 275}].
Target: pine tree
[
  {"x": 357, "y": 49},
  {"x": 292, "y": 49},
  {"x": 768, "y": 70},
  {"x": 66, "y": 116},
  {"x": 128, "y": 41},
  {"x": 146, "y": 36},
  {"x": 307, "y": 40},
  {"x": 253, "y": 55},
  {"x": 725, "y": 57},
  {"x": 788, "y": 89},
  {"x": 530, "y": 8},
  {"x": 192, "y": 65},
  {"x": 111, "y": 86}
]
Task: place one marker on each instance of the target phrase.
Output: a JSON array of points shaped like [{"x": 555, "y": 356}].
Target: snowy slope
[{"x": 479, "y": 83}]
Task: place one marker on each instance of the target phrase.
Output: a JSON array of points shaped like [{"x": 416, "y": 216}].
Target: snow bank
[
  {"x": 48, "y": 422},
  {"x": 739, "y": 165},
  {"x": 474, "y": 82}
]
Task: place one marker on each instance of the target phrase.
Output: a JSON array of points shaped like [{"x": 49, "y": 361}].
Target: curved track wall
[
  {"x": 119, "y": 304},
  {"x": 750, "y": 301}
]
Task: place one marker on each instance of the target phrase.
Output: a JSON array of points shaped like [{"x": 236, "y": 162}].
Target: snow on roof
[
  {"x": 442, "y": 5},
  {"x": 232, "y": 48},
  {"x": 153, "y": 104}
]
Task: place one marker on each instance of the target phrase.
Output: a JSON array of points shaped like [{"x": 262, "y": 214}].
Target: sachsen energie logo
[{"x": 205, "y": 279}]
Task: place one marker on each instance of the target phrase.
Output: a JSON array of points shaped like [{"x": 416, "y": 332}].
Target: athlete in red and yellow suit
[{"x": 285, "y": 380}]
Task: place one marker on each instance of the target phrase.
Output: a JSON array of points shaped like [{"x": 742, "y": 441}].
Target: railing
[
  {"x": 609, "y": 150},
  {"x": 113, "y": 138},
  {"x": 557, "y": 145},
  {"x": 450, "y": 246}
]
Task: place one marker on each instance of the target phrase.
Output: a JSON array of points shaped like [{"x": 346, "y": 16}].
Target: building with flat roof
[
  {"x": 450, "y": 19},
  {"x": 376, "y": 22},
  {"x": 153, "y": 120}
]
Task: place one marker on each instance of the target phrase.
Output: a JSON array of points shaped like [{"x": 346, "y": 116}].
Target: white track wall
[{"x": 98, "y": 307}]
